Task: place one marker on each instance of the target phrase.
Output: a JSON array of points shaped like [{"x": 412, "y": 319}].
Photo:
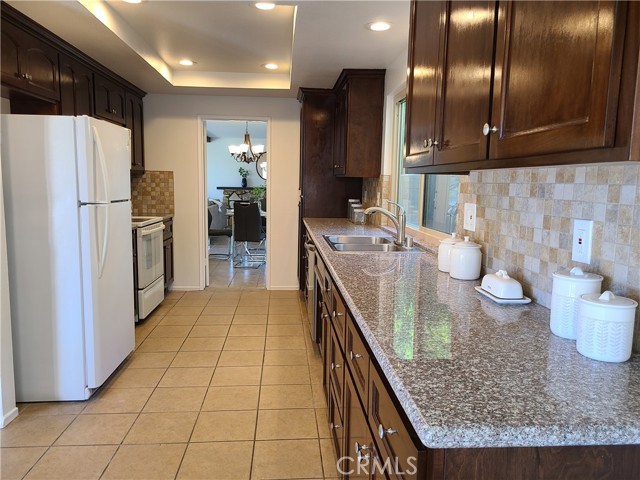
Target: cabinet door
[
  {"x": 556, "y": 77},
  {"x": 10, "y": 63},
  {"x": 464, "y": 79},
  {"x": 336, "y": 426},
  {"x": 426, "y": 35},
  {"x": 357, "y": 439},
  {"x": 357, "y": 358},
  {"x": 336, "y": 368},
  {"x": 340, "y": 135},
  {"x": 168, "y": 262},
  {"x": 134, "y": 122},
  {"x": 39, "y": 65},
  {"x": 109, "y": 100},
  {"x": 76, "y": 87}
]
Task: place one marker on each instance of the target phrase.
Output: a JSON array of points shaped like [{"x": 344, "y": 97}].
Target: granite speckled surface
[{"x": 469, "y": 372}]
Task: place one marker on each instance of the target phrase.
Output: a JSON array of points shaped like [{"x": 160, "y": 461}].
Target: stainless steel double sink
[{"x": 363, "y": 243}]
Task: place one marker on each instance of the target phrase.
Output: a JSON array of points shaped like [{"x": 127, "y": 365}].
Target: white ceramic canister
[
  {"x": 605, "y": 326},
  {"x": 444, "y": 252},
  {"x": 465, "y": 260},
  {"x": 566, "y": 290}
]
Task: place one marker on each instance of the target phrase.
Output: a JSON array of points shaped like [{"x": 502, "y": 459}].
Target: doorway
[{"x": 233, "y": 257}]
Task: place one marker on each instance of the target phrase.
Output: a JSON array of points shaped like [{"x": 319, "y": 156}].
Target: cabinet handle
[
  {"x": 435, "y": 143},
  {"x": 486, "y": 129},
  {"x": 335, "y": 365},
  {"x": 354, "y": 356},
  {"x": 362, "y": 456},
  {"x": 360, "y": 448},
  {"x": 337, "y": 166},
  {"x": 382, "y": 432},
  {"x": 324, "y": 315},
  {"x": 427, "y": 143},
  {"x": 334, "y": 426}
]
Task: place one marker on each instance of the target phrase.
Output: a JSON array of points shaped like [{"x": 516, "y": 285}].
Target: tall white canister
[
  {"x": 605, "y": 327},
  {"x": 567, "y": 288},
  {"x": 444, "y": 252}
]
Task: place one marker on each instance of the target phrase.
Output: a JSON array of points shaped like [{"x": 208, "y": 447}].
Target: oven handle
[{"x": 151, "y": 231}]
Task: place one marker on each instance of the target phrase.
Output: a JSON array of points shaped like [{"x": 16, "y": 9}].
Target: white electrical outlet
[
  {"x": 582, "y": 240},
  {"x": 470, "y": 217}
]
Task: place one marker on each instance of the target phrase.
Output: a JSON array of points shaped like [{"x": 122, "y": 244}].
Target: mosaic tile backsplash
[
  {"x": 372, "y": 189},
  {"x": 152, "y": 193},
  {"x": 525, "y": 224}
]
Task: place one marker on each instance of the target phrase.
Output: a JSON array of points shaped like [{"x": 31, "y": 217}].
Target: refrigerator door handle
[
  {"x": 103, "y": 165},
  {"x": 105, "y": 241}
]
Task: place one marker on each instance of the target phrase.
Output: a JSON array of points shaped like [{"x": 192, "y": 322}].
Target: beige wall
[{"x": 171, "y": 130}]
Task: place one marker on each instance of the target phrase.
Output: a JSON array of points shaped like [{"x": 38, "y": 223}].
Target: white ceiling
[{"x": 312, "y": 41}]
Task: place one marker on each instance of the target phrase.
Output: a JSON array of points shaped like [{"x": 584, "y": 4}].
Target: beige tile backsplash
[
  {"x": 372, "y": 189},
  {"x": 525, "y": 224},
  {"x": 152, "y": 193}
]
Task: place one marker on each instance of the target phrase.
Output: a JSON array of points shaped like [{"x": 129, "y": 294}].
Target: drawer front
[
  {"x": 336, "y": 368},
  {"x": 168, "y": 229},
  {"x": 336, "y": 427},
  {"x": 357, "y": 438},
  {"x": 339, "y": 316},
  {"x": 357, "y": 358},
  {"x": 393, "y": 438},
  {"x": 325, "y": 319}
]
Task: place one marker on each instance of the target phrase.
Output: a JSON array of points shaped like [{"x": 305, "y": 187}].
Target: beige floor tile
[
  {"x": 275, "y": 319},
  {"x": 285, "y": 375},
  {"x": 223, "y": 302},
  {"x": 81, "y": 463},
  {"x": 323, "y": 423},
  {"x": 178, "y": 399},
  {"x": 290, "y": 302},
  {"x": 209, "y": 331},
  {"x": 137, "y": 377},
  {"x": 286, "y": 424},
  {"x": 285, "y": 357},
  {"x": 281, "y": 330},
  {"x": 241, "y": 358},
  {"x": 173, "y": 296},
  {"x": 284, "y": 309},
  {"x": 217, "y": 460},
  {"x": 244, "y": 343},
  {"x": 285, "y": 343},
  {"x": 285, "y": 294},
  {"x": 285, "y": 396},
  {"x": 170, "y": 331},
  {"x": 231, "y": 398},
  {"x": 205, "y": 320},
  {"x": 329, "y": 460},
  {"x": 172, "y": 427},
  {"x": 316, "y": 373},
  {"x": 51, "y": 408},
  {"x": 200, "y": 301},
  {"x": 118, "y": 400},
  {"x": 150, "y": 360},
  {"x": 160, "y": 344},
  {"x": 34, "y": 431},
  {"x": 228, "y": 376},
  {"x": 196, "y": 359},
  {"x": 247, "y": 330},
  {"x": 178, "y": 310},
  {"x": 319, "y": 397},
  {"x": 260, "y": 319},
  {"x": 178, "y": 320},
  {"x": 219, "y": 310},
  {"x": 161, "y": 311},
  {"x": 225, "y": 426},
  {"x": 16, "y": 462},
  {"x": 145, "y": 462},
  {"x": 97, "y": 429},
  {"x": 278, "y": 459},
  {"x": 187, "y": 377},
  {"x": 204, "y": 344},
  {"x": 254, "y": 302},
  {"x": 255, "y": 310}
]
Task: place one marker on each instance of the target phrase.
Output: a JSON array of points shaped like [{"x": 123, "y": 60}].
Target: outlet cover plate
[
  {"x": 582, "y": 241},
  {"x": 470, "y": 217}
]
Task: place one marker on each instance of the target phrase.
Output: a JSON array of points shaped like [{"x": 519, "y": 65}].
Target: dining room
[{"x": 236, "y": 186}]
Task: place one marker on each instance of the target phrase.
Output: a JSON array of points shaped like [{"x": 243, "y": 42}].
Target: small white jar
[
  {"x": 444, "y": 252},
  {"x": 605, "y": 327},
  {"x": 465, "y": 260}
]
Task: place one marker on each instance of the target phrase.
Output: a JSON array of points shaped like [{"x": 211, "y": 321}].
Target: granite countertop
[{"x": 469, "y": 372}]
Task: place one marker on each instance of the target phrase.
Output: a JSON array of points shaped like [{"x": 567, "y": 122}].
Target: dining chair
[
  {"x": 248, "y": 228},
  {"x": 219, "y": 227}
]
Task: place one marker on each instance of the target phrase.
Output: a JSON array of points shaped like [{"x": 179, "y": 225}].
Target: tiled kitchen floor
[{"x": 224, "y": 383}]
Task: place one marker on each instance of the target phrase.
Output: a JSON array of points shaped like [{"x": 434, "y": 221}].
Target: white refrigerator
[{"x": 67, "y": 197}]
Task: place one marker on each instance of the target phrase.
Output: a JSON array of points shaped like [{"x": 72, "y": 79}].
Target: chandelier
[{"x": 246, "y": 152}]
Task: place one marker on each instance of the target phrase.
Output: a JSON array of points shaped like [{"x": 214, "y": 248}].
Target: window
[{"x": 431, "y": 201}]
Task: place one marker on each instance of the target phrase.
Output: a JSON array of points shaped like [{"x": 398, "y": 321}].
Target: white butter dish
[
  {"x": 503, "y": 301},
  {"x": 501, "y": 285}
]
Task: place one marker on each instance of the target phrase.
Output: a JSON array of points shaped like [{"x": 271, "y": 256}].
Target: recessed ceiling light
[
  {"x": 379, "y": 26},
  {"x": 186, "y": 62},
  {"x": 265, "y": 5},
  {"x": 270, "y": 66},
  {"x": 133, "y": 1}
]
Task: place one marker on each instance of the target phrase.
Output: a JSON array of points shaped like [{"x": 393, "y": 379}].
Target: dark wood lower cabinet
[{"x": 167, "y": 244}]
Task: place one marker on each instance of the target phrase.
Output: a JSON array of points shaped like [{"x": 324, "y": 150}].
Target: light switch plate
[
  {"x": 470, "y": 217},
  {"x": 582, "y": 241}
]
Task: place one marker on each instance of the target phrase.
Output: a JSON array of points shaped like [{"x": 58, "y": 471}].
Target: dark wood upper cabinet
[
  {"x": 28, "y": 63},
  {"x": 134, "y": 122},
  {"x": 76, "y": 87},
  {"x": 109, "y": 100},
  {"x": 556, "y": 77},
  {"x": 358, "y": 124}
]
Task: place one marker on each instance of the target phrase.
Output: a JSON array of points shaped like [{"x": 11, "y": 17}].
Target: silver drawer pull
[
  {"x": 360, "y": 448},
  {"x": 382, "y": 432},
  {"x": 335, "y": 365},
  {"x": 486, "y": 129},
  {"x": 363, "y": 456},
  {"x": 334, "y": 426},
  {"x": 340, "y": 314},
  {"x": 354, "y": 356}
]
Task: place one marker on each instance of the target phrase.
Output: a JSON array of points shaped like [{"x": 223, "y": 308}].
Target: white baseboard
[
  {"x": 9, "y": 417},
  {"x": 285, "y": 287}
]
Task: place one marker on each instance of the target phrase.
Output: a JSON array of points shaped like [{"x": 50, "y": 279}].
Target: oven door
[{"x": 150, "y": 254}]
